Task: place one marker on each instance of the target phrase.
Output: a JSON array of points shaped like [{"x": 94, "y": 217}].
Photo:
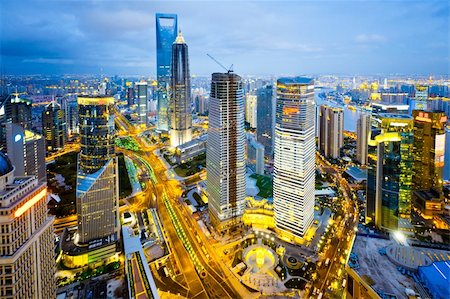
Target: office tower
[
  {"x": 331, "y": 131},
  {"x": 130, "y": 96},
  {"x": 225, "y": 160},
  {"x": 180, "y": 95},
  {"x": 446, "y": 174},
  {"x": 97, "y": 180},
  {"x": 255, "y": 154},
  {"x": 27, "y": 259},
  {"x": 264, "y": 126},
  {"x": 294, "y": 160},
  {"x": 390, "y": 171},
  {"x": 394, "y": 97},
  {"x": 142, "y": 102},
  {"x": 26, "y": 150},
  {"x": 421, "y": 97},
  {"x": 362, "y": 134},
  {"x": 14, "y": 110},
  {"x": 54, "y": 127},
  {"x": 428, "y": 155},
  {"x": 166, "y": 32},
  {"x": 250, "y": 110},
  {"x": 201, "y": 104}
]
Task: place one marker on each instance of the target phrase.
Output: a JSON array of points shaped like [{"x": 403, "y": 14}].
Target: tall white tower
[
  {"x": 294, "y": 161},
  {"x": 225, "y": 161}
]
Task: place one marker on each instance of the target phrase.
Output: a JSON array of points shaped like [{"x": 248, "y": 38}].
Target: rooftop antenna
[{"x": 229, "y": 70}]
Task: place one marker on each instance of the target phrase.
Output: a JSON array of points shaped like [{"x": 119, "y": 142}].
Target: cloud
[
  {"x": 49, "y": 60},
  {"x": 370, "y": 38}
]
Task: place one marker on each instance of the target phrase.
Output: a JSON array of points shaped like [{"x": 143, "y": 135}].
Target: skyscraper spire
[{"x": 180, "y": 38}]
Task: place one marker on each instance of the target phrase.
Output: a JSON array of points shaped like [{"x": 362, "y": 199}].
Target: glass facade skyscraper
[
  {"x": 142, "y": 101},
  {"x": 54, "y": 127},
  {"x": 225, "y": 151},
  {"x": 264, "y": 123},
  {"x": 166, "y": 32},
  {"x": 390, "y": 172},
  {"x": 180, "y": 95},
  {"x": 294, "y": 159}
]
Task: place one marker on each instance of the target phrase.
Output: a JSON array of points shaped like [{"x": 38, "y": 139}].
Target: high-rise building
[
  {"x": 97, "y": 177},
  {"x": 180, "y": 95},
  {"x": 71, "y": 112},
  {"x": 362, "y": 133},
  {"x": 14, "y": 110},
  {"x": 255, "y": 154},
  {"x": 130, "y": 96},
  {"x": 421, "y": 97},
  {"x": 250, "y": 110},
  {"x": 26, "y": 150},
  {"x": 390, "y": 172},
  {"x": 331, "y": 131},
  {"x": 201, "y": 104},
  {"x": 54, "y": 127},
  {"x": 142, "y": 102},
  {"x": 447, "y": 154},
  {"x": 166, "y": 32},
  {"x": 225, "y": 153},
  {"x": 265, "y": 119},
  {"x": 27, "y": 262},
  {"x": 294, "y": 160},
  {"x": 428, "y": 155}
]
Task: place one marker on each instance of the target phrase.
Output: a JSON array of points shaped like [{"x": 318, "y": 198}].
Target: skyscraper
[
  {"x": 264, "y": 126},
  {"x": 166, "y": 32},
  {"x": 421, "y": 97},
  {"x": 97, "y": 177},
  {"x": 428, "y": 155},
  {"x": 26, "y": 150},
  {"x": 27, "y": 262},
  {"x": 447, "y": 154},
  {"x": 142, "y": 102},
  {"x": 14, "y": 110},
  {"x": 54, "y": 127},
  {"x": 362, "y": 133},
  {"x": 331, "y": 131},
  {"x": 390, "y": 171},
  {"x": 180, "y": 94},
  {"x": 294, "y": 160},
  {"x": 225, "y": 160},
  {"x": 250, "y": 110}
]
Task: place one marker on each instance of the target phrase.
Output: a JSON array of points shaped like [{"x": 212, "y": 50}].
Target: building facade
[
  {"x": 27, "y": 259},
  {"x": 166, "y": 32},
  {"x": 331, "y": 131},
  {"x": 390, "y": 172},
  {"x": 54, "y": 127},
  {"x": 363, "y": 128},
  {"x": 255, "y": 154},
  {"x": 97, "y": 178},
  {"x": 251, "y": 110},
  {"x": 265, "y": 123},
  {"x": 225, "y": 151},
  {"x": 180, "y": 94},
  {"x": 142, "y": 103},
  {"x": 294, "y": 160}
]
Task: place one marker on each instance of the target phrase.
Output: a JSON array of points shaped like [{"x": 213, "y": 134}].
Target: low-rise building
[{"x": 191, "y": 149}]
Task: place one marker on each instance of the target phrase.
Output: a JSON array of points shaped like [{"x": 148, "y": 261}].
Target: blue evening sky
[{"x": 258, "y": 37}]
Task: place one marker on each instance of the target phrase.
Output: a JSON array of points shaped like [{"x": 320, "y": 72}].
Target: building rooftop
[
  {"x": 357, "y": 173},
  {"x": 394, "y": 115},
  {"x": 437, "y": 276},
  {"x": 295, "y": 80}
]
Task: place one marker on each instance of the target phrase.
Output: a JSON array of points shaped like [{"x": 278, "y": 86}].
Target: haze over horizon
[{"x": 259, "y": 37}]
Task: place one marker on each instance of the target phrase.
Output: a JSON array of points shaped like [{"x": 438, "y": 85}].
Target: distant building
[
  {"x": 71, "y": 112},
  {"x": 446, "y": 174},
  {"x": 396, "y": 98},
  {"x": 27, "y": 258},
  {"x": 180, "y": 94},
  {"x": 54, "y": 127},
  {"x": 331, "y": 131},
  {"x": 265, "y": 118},
  {"x": 225, "y": 160},
  {"x": 26, "y": 150},
  {"x": 428, "y": 154},
  {"x": 201, "y": 104},
  {"x": 378, "y": 108},
  {"x": 255, "y": 154},
  {"x": 166, "y": 32},
  {"x": 250, "y": 110},
  {"x": 14, "y": 110},
  {"x": 421, "y": 97},
  {"x": 130, "y": 96},
  {"x": 294, "y": 160},
  {"x": 97, "y": 178},
  {"x": 390, "y": 172},
  {"x": 142, "y": 102},
  {"x": 363, "y": 127}
]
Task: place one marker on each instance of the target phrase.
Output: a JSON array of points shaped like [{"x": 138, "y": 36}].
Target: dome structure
[{"x": 5, "y": 164}]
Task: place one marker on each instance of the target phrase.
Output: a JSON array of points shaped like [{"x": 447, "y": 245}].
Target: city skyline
[{"x": 344, "y": 37}]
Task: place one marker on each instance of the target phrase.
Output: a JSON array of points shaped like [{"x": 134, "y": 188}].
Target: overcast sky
[{"x": 258, "y": 37}]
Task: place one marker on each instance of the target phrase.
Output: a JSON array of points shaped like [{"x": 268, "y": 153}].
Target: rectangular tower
[
  {"x": 294, "y": 160},
  {"x": 166, "y": 32},
  {"x": 142, "y": 102},
  {"x": 331, "y": 131},
  {"x": 225, "y": 161},
  {"x": 362, "y": 133},
  {"x": 264, "y": 123}
]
